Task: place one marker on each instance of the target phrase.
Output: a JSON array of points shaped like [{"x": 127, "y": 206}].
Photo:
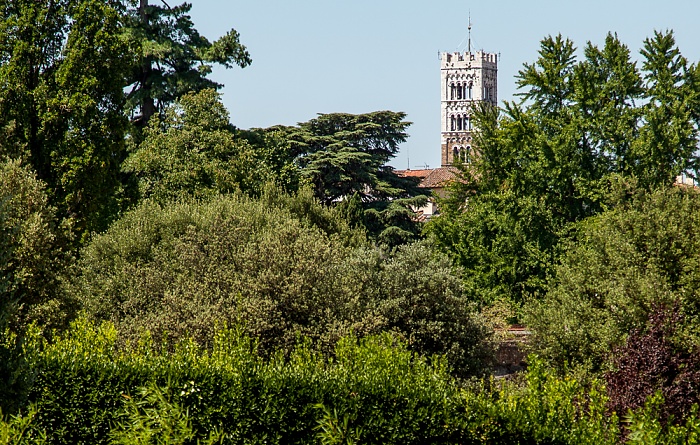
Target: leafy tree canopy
[
  {"x": 549, "y": 161},
  {"x": 174, "y": 58},
  {"x": 63, "y": 66},
  {"x": 281, "y": 266},
  {"x": 192, "y": 152},
  {"x": 623, "y": 263},
  {"x": 343, "y": 154},
  {"x": 343, "y": 157}
]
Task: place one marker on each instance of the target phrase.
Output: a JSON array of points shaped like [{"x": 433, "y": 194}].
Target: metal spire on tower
[{"x": 469, "y": 27}]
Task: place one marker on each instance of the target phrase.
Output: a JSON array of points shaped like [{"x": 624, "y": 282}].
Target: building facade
[{"x": 467, "y": 78}]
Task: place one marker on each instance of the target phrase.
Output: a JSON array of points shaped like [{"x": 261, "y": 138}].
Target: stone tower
[{"x": 467, "y": 78}]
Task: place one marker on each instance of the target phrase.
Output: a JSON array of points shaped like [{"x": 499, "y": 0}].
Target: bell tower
[{"x": 467, "y": 79}]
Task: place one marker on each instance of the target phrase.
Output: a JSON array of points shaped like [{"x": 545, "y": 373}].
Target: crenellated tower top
[{"x": 466, "y": 79}]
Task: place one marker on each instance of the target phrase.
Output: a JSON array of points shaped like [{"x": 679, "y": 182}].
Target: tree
[
  {"x": 341, "y": 154},
  {"x": 63, "y": 65},
  {"x": 344, "y": 158},
  {"x": 174, "y": 58},
  {"x": 281, "y": 266},
  {"x": 668, "y": 140},
  {"x": 549, "y": 161},
  {"x": 623, "y": 263},
  {"x": 192, "y": 152}
]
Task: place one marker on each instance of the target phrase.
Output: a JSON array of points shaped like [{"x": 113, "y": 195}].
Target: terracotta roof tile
[
  {"x": 414, "y": 173},
  {"x": 439, "y": 177},
  {"x": 432, "y": 177}
]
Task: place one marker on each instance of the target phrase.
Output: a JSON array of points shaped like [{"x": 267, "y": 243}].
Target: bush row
[{"x": 82, "y": 388}]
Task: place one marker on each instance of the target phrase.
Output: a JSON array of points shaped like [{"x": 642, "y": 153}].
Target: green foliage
[
  {"x": 87, "y": 390},
  {"x": 343, "y": 157},
  {"x": 66, "y": 66},
  {"x": 423, "y": 301},
  {"x": 282, "y": 266},
  {"x": 173, "y": 59},
  {"x": 504, "y": 243},
  {"x": 30, "y": 257},
  {"x": 548, "y": 162},
  {"x": 667, "y": 142},
  {"x": 544, "y": 409},
  {"x": 643, "y": 426},
  {"x": 623, "y": 263},
  {"x": 275, "y": 155},
  {"x": 152, "y": 416},
  {"x": 342, "y": 154},
  {"x": 18, "y": 429},
  {"x": 61, "y": 102},
  {"x": 332, "y": 430},
  {"x": 192, "y": 152}
]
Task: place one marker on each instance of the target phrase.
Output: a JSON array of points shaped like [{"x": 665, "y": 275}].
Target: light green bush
[{"x": 373, "y": 391}]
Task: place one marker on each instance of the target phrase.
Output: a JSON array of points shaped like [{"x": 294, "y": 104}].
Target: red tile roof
[
  {"x": 440, "y": 177},
  {"x": 433, "y": 177},
  {"x": 414, "y": 173}
]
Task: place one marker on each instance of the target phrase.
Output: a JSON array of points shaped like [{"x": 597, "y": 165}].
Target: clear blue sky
[{"x": 324, "y": 56}]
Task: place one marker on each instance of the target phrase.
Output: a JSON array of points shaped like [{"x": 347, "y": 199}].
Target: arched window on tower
[
  {"x": 468, "y": 123},
  {"x": 459, "y": 92},
  {"x": 456, "y": 154},
  {"x": 452, "y": 91},
  {"x": 459, "y": 123},
  {"x": 469, "y": 92},
  {"x": 466, "y": 157},
  {"x": 452, "y": 121}
]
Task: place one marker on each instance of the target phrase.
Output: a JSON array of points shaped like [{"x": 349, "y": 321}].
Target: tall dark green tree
[
  {"x": 668, "y": 141},
  {"x": 63, "y": 65},
  {"x": 344, "y": 157},
  {"x": 341, "y": 154},
  {"x": 174, "y": 58}
]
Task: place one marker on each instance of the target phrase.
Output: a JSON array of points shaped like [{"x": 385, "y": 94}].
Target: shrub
[
  {"x": 374, "y": 390},
  {"x": 281, "y": 267},
  {"x": 30, "y": 255},
  {"x": 622, "y": 264},
  {"x": 543, "y": 408},
  {"x": 89, "y": 391},
  {"x": 650, "y": 362}
]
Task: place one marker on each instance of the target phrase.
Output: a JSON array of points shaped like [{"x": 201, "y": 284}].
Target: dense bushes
[
  {"x": 88, "y": 390},
  {"x": 30, "y": 257},
  {"x": 623, "y": 263},
  {"x": 85, "y": 387},
  {"x": 280, "y": 266}
]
